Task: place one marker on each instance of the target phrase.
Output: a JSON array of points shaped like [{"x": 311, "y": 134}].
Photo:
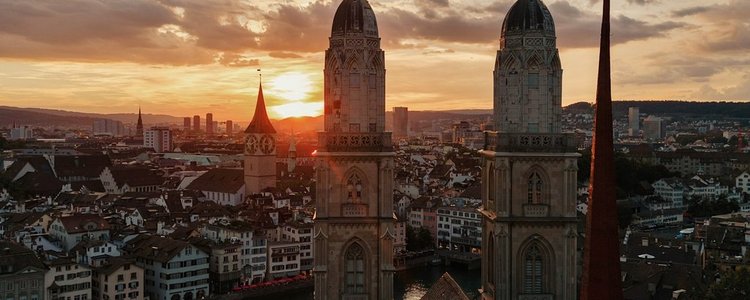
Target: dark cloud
[
  {"x": 201, "y": 32},
  {"x": 580, "y": 29},
  {"x": 236, "y": 60},
  {"x": 281, "y": 54},
  {"x": 690, "y": 11}
]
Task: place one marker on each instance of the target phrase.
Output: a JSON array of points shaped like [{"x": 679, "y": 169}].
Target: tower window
[
  {"x": 533, "y": 80},
  {"x": 373, "y": 127},
  {"x": 533, "y": 270},
  {"x": 355, "y": 269},
  {"x": 535, "y": 189},
  {"x": 353, "y": 127},
  {"x": 354, "y": 189}
]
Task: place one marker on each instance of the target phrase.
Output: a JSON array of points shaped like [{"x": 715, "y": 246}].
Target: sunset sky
[{"x": 191, "y": 57}]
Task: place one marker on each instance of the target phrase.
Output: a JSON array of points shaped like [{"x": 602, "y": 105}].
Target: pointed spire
[
  {"x": 601, "y": 265},
  {"x": 139, "y": 125},
  {"x": 260, "y": 122}
]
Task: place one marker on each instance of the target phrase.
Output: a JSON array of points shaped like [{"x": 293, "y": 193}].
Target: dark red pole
[{"x": 601, "y": 258}]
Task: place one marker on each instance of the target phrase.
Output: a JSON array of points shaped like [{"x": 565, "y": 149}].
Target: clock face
[
  {"x": 267, "y": 144},
  {"x": 251, "y": 146}
]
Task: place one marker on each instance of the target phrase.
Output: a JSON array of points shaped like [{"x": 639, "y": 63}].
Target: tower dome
[
  {"x": 528, "y": 15},
  {"x": 354, "y": 17}
]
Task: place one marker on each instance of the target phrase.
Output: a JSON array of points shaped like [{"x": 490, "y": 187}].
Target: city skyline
[{"x": 108, "y": 57}]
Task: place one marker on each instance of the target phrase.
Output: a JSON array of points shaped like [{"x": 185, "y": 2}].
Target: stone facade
[
  {"x": 354, "y": 223},
  {"x": 530, "y": 169}
]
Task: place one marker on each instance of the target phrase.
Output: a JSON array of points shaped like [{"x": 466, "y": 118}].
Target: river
[{"x": 411, "y": 284}]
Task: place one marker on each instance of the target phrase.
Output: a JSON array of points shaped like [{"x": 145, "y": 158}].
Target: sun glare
[
  {"x": 297, "y": 109},
  {"x": 293, "y": 86}
]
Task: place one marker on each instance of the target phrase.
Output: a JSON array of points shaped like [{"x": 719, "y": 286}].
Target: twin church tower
[{"x": 529, "y": 166}]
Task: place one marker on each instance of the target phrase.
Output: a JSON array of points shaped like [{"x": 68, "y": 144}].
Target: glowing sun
[
  {"x": 292, "y": 86},
  {"x": 298, "y": 109}
]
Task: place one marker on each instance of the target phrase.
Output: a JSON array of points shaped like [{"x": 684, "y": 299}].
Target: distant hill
[
  {"x": 675, "y": 108},
  {"x": 33, "y": 118},
  {"x": 122, "y": 117}
]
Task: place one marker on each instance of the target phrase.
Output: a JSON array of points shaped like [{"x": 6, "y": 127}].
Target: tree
[
  {"x": 732, "y": 285},
  {"x": 418, "y": 239}
]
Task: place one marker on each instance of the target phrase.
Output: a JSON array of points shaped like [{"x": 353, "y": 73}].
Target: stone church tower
[
  {"x": 260, "y": 150},
  {"x": 530, "y": 168},
  {"x": 354, "y": 221}
]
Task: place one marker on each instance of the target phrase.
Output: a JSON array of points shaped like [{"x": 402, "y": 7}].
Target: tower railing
[
  {"x": 529, "y": 142},
  {"x": 355, "y": 142}
]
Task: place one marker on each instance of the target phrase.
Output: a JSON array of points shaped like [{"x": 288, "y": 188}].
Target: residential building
[
  {"x": 220, "y": 185},
  {"x": 67, "y": 280},
  {"x": 672, "y": 190},
  {"x": 70, "y": 230},
  {"x": 742, "y": 182},
  {"x": 23, "y": 132},
  {"x": 186, "y": 125},
  {"x": 284, "y": 259},
  {"x": 653, "y": 128},
  {"x": 230, "y": 127},
  {"x": 459, "y": 229},
  {"x": 94, "y": 252},
  {"x": 252, "y": 250},
  {"x": 302, "y": 234},
  {"x": 108, "y": 127},
  {"x": 158, "y": 138},
  {"x": 21, "y": 273},
  {"x": 225, "y": 266},
  {"x": 117, "y": 279},
  {"x": 172, "y": 269},
  {"x": 120, "y": 180}
]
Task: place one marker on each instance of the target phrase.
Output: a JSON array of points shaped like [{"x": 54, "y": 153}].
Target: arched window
[
  {"x": 354, "y": 269},
  {"x": 354, "y": 189},
  {"x": 533, "y": 270},
  {"x": 535, "y": 189}
]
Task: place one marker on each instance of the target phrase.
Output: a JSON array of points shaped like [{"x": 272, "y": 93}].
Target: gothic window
[
  {"x": 354, "y": 269},
  {"x": 373, "y": 127},
  {"x": 533, "y": 270},
  {"x": 354, "y": 189},
  {"x": 535, "y": 189},
  {"x": 353, "y": 127}
]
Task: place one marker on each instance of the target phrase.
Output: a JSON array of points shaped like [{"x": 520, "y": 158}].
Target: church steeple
[
  {"x": 139, "y": 125},
  {"x": 260, "y": 150},
  {"x": 601, "y": 266},
  {"x": 260, "y": 123}
]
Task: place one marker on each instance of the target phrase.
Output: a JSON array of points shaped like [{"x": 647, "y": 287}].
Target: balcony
[
  {"x": 354, "y": 210},
  {"x": 355, "y": 142},
  {"x": 529, "y": 142},
  {"x": 535, "y": 210},
  {"x": 536, "y": 297}
]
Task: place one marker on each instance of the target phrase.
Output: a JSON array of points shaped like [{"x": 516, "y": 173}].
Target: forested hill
[{"x": 707, "y": 109}]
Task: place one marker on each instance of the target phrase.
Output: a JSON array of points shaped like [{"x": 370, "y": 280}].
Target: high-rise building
[
  {"x": 354, "y": 224},
  {"x": 260, "y": 150},
  {"x": 529, "y": 173},
  {"x": 196, "y": 123},
  {"x": 214, "y": 127},
  {"x": 139, "y": 125},
  {"x": 653, "y": 128},
  {"x": 158, "y": 138},
  {"x": 210, "y": 124},
  {"x": 634, "y": 121},
  {"x": 108, "y": 127},
  {"x": 186, "y": 124},
  {"x": 400, "y": 122},
  {"x": 23, "y": 132},
  {"x": 229, "y": 127}
]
